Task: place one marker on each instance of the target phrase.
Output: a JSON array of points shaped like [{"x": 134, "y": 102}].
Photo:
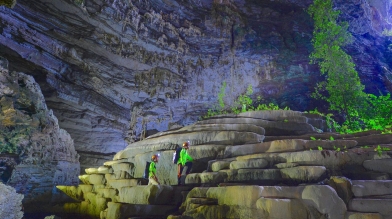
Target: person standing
[
  {"x": 152, "y": 171},
  {"x": 185, "y": 160}
]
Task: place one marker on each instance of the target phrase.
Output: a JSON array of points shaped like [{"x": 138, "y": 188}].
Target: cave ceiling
[{"x": 115, "y": 71}]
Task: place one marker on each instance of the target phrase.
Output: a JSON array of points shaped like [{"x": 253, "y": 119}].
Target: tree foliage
[{"x": 344, "y": 89}]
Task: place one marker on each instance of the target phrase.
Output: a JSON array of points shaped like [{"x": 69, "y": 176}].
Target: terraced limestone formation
[{"x": 259, "y": 164}]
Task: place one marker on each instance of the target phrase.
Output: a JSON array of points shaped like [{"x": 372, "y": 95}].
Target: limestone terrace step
[
  {"x": 366, "y": 188},
  {"x": 360, "y": 215},
  {"x": 121, "y": 210},
  {"x": 382, "y": 206}
]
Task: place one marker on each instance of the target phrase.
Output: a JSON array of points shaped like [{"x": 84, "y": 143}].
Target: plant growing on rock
[
  {"x": 244, "y": 103},
  {"x": 380, "y": 149},
  {"x": 344, "y": 89}
]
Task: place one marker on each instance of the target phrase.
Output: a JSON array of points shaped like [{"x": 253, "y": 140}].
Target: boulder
[
  {"x": 325, "y": 200},
  {"x": 343, "y": 186}
]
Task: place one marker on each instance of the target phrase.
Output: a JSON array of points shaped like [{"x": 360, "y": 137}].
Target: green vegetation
[
  {"x": 79, "y": 2},
  {"x": 8, "y": 3},
  {"x": 221, "y": 95},
  {"x": 342, "y": 88},
  {"x": 380, "y": 149},
  {"x": 11, "y": 137},
  {"x": 342, "y": 84},
  {"x": 387, "y": 32},
  {"x": 244, "y": 103}
]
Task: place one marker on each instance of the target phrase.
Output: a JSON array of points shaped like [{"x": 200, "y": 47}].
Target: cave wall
[
  {"x": 115, "y": 71},
  {"x": 35, "y": 153}
]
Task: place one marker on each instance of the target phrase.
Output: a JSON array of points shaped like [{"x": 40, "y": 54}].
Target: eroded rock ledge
[
  {"x": 36, "y": 155},
  {"x": 238, "y": 173}
]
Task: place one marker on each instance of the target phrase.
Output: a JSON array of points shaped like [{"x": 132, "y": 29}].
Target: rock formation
[
  {"x": 116, "y": 69},
  {"x": 261, "y": 164},
  {"x": 10, "y": 203},
  {"x": 35, "y": 154}
]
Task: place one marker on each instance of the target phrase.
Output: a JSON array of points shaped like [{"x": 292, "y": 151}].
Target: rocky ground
[{"x": 264, "y": 164}]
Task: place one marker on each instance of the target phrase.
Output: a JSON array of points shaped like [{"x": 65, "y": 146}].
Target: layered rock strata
[
  {"x": 36, "y": 155},
  {"x": 290, "y": 177},
  {"x": 116, "y": 71}
]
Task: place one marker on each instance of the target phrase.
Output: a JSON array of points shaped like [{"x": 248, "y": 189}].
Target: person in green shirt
[
  {"x": 152, "y": 171},
  {"x": 185, "y": 160}
]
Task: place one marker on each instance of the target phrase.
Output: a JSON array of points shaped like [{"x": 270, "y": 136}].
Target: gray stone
[
  {"x": 46, "y": 152},
  {"x": 249, "y": 164},
  {"x": 268, "y": 175},
  {"x": 382, "y": 206},
  {"x": 341, "y": 145},
  {"x": 325, "y": 200},
  {"x": 359, "y": 215},
  {"x": 124, "y": 210},
  {"x": 271, "y": 127},
  {"x": 120, "y": 183},
  {"x": 213, "y": 127},
  {"x": 283, "y": 208},
  {"x": 285, "y": 145},
  {"x": 380, "y": 165},
  {"x": 213, "y": 178},
  {"x": 368, "y": 188},
  {"x": 220, "y": 165},
  {"x": 169, "y": 142},
  {"x": 147, "y": 195},
  {"x": 285, "y": 165},
  {"x": 10, "y": 203},
  {"x": 304, "y": 174}
]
